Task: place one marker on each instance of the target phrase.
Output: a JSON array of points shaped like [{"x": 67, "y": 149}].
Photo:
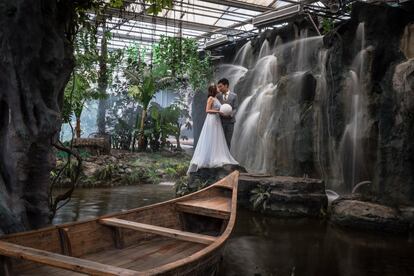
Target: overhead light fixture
[
  {"x": 218, "y": 42},
  {"x": 278, "y": 16},
  {"x": 333, "y": 5}
]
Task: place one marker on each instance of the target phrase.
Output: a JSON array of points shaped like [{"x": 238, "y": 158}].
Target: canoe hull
[{"x": 184, "y": 236}]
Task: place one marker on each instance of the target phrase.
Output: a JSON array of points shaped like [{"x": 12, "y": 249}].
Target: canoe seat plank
[
  {"x": 61, "y": 261},
  {"x": 218, "y": 207},
  {"x": 225, "y": 184},
  {"x": 162, "y": 231}
]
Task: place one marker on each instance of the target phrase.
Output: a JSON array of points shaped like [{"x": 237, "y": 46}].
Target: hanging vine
[{"x": 182, "y": 60}]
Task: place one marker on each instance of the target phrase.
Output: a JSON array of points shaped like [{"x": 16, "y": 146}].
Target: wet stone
[
  {"x": 208, "y": 176},
  {"x": 365, "y": 215}
]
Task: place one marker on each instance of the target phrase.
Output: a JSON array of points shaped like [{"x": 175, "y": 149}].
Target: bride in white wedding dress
[{"x": 211, "y": 150}]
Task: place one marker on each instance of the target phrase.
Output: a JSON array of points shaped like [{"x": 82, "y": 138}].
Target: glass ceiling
[{"x": 202, "y": 20}]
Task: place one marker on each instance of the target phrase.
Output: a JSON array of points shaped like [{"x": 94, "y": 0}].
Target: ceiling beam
[
  {"x": 161, "y": 29},
  {"x": 240, "y": 5},
  {"x": 160, "y": 20},
  {"x": 131, "y": 37}
]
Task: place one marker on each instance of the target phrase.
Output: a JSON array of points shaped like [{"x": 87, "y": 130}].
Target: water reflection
[
  {"x": 90, "y": 203},
  {"x": 270, "y": 246}
]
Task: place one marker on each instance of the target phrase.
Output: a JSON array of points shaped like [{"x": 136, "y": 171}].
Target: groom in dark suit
[{"x": 227, "y": 97}]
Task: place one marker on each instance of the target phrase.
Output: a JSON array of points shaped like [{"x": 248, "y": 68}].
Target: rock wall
[{"x": 337, "y": 108}]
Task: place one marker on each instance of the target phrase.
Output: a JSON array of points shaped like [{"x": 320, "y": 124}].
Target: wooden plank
[
  {"x": 141, "y": 253},
  {"x": 166, "y": 255},
  {"x": 61, "y": 261},
  {"x": 218, "y": 207},
  {"x": 225, "y": 184},
  {"x": 162, "y": 231}
]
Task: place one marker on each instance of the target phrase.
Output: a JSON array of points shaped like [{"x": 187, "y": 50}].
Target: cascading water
[
  {"x": 264, "y": 116},
  {"x": 284, "y": 124},
  {"x": 244, "y": 56},
  {"x": 351, "y": 149},
  {"x": 265, "y": 49},
  {"x": 252, "y": 117}
]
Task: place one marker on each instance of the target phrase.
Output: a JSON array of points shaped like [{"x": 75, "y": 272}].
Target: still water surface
[{"x": 269, "y": 246}]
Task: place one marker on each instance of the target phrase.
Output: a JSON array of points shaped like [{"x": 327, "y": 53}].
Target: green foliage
[
  {"x": 79, "y": 89},
  {"x": 121, "y": 135},
  {"x": 142, "y": 87},
  {"x": 116, "y": 3},
  {"x": 327, "y": 25},
  {"x": 163, "y": 122},
  {"x": 135, "y": 177},
  {"x": 183, "y": 187},
  {"x": 156, "y": 6},
  {"x": 181, "y": 169},
  {"x": 82, "y": 85},
  {"x": 259, "y": 197},
  {"x": 182, "y": 61},
  {"x": 69, "y": 169},
  {"x": 121, "y": 119},
  {"x": 153, "y": 176},
  {"x": 171, "y": 172},
  {"x": 83, "y": 154},
  {"x": 131, "y": 179},
  {"x": 106, "y": 172}
]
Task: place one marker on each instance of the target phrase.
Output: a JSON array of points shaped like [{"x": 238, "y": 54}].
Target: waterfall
[
  {"x": 264, "y": 114},
  {"x": 352, "y": 144},
  {"x": 244, "y": 56},
  {"x": 285, "y": 125},
  {"x": 265, "y": 49}
]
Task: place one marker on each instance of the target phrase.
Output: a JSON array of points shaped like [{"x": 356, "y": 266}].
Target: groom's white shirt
[{"x": 226, "y": 95}]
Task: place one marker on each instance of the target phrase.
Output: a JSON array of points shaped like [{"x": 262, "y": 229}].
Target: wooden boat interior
[{"x": 143, "y": 241}]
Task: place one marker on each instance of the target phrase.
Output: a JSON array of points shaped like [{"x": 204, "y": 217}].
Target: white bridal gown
[{"x": 211, "y": 150}]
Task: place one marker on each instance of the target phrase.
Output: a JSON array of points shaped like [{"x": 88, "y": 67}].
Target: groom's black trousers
[{"x": 228, "y": 132}]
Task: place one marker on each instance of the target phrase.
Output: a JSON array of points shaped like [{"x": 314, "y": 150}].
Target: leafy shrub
[
  {"x": 151, "y": 175},
  {"x": 133, "y": 178},
  {"x": 183, "y": 187},
  {"x": 181, "y": 169},
  {"x": 171, "y": 172},
  {"x": 106, "y": 172}
]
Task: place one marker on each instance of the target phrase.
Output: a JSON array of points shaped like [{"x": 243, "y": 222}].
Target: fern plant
[
  {"x": 106, "y": 173},
  {"x": 260, "y": 196}
]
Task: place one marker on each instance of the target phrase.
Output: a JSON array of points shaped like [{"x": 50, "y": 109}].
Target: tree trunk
[
  {"x": 35, "y": 65},
  {"x": 78, "y": 127},
  {"x": 103, "y": 83},
  {"x": 142, "y": 143},
  {"x": 177, "y": 137},
  {"x": 136, "y": 127}
]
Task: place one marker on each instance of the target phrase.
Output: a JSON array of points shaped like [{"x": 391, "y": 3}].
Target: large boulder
[{"x": 365, "y": 215}]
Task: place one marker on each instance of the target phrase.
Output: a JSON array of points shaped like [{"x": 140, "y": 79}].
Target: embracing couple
[{"x": 213, "y": 145}]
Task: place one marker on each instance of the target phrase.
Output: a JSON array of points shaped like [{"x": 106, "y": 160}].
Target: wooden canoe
[{"x": 183, "y": 236}]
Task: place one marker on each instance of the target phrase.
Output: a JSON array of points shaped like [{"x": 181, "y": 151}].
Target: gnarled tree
[
  {"x": 36, "y": 60},
  {"x": 35, "y": 65}
]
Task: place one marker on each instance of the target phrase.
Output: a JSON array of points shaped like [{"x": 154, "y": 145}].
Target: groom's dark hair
[{"x": 224, "y": 81}]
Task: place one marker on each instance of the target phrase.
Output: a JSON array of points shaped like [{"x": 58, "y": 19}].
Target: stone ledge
[{"x": 289, "y": 196}]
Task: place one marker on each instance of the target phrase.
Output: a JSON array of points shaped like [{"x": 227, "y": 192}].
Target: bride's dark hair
[{"x": 212, "y": 90}]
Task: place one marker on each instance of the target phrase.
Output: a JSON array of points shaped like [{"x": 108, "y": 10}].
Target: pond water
[{"x": 267, "y": 246}]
